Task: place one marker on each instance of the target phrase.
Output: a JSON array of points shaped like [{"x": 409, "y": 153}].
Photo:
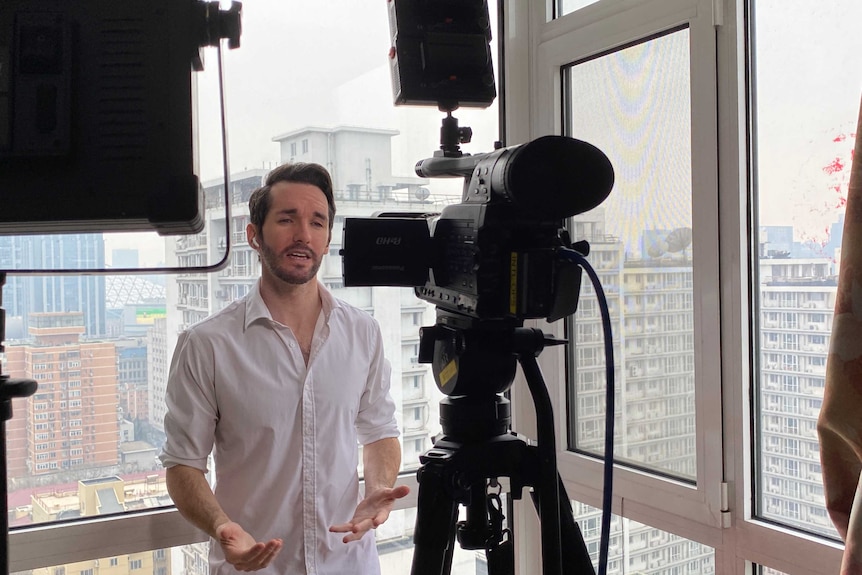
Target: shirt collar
[{"x": 255, "y": 308}]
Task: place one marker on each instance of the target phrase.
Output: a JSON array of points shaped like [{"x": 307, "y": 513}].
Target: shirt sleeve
[
  {"x": 192, "y": 411},
  {"x": 376, "y": 417}
]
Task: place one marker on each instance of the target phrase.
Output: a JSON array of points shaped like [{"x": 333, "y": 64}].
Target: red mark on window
[{"x": 835, "y": 165}]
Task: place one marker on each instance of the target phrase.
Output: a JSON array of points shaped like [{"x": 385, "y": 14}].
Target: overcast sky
[
  {"x": 316, "y": 63},
  {"x": 293, "y": 57},
  {"x": 809, "y": 85}
]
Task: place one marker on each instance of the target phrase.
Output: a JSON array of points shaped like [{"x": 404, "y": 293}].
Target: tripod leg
[
  {"x": 434, "y": 534},
  {"x": 575, "y": 557}
]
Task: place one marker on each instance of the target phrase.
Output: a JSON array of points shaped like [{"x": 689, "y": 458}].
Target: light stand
[{"x": 9, "y": 388}]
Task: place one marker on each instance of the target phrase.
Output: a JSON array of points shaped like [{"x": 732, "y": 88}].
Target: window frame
[
  {"x": 570, "y": 39},
  {"x": 93, "y": 538}
]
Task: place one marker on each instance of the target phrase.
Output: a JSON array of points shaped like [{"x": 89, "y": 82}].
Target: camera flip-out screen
[{"x": 386, "y": 251}]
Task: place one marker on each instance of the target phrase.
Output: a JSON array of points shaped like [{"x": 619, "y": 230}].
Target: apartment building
[
  {"x": 71, "y": 422},
  {"x": 103, "y": 496},
  {"x": 797, "y": 303}
]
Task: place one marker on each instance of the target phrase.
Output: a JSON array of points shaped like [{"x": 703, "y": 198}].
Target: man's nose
[{"x": 302, "y": 232}]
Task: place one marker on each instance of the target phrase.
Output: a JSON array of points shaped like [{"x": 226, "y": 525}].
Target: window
[
  {"x": 654, "y": 250},
  {"x": 103, "y": 404},
  {"x": 800, "y": 218},
  {"x": 719, "y": 116}
]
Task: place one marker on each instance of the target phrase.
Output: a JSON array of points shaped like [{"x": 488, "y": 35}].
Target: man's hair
[{"x": 298, "y": 172}]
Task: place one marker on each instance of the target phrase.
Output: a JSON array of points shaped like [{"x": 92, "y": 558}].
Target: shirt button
[{"x": 292, "y": 345}]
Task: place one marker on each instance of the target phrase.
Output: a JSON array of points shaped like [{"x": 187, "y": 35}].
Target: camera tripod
[{"x": 473, "y": 366}]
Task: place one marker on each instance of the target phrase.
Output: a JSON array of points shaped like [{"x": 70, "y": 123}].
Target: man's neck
[{"x": 293, "y": 305}]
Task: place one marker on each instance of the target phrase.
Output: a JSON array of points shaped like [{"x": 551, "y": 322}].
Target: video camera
[
  {"x": 499, "y": 257},
  {"x": 496, "y": 254}
]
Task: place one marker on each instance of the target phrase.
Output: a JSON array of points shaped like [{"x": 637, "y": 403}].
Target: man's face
[{"x": 295, "y": 234}]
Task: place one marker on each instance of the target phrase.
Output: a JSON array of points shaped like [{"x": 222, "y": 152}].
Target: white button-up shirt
[{"x": 285, "y": 434}]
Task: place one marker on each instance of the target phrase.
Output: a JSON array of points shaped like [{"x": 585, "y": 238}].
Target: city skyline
[{"x": 635, "y": 440}]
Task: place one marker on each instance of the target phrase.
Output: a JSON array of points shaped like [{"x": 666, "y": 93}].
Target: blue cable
[{"x": 604, "y": 543}]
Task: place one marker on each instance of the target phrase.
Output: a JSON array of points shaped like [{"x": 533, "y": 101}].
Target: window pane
[
  {"x": 152, "y": 562},
  {"x": 801, "y": 182},
  {"x": 634, "y": 105},
  {"x": 568, "y": 6},
  {"x": 86, "y": 442},
  {"x": 638, "y": 548}
]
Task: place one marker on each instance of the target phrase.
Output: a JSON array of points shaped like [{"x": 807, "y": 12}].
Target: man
[{"x": 282, "y": 384}]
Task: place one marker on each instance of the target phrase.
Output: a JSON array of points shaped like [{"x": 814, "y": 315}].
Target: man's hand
[
  {"x": 370, "y": 513},
  {"x": 242, "y": 551}
]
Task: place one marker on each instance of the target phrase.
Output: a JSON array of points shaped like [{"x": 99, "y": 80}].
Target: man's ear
[{"x": 251, "y": 235}]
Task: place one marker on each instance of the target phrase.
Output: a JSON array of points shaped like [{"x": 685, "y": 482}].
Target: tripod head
[{"x": 474, "y": 362}]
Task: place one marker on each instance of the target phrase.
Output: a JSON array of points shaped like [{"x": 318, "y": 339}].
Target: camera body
[
  {"x": 496, "y": 255},
  {"x": 493, "y": 264}
]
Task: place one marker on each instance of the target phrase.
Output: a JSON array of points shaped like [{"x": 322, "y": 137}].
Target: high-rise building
[
  {"x": 158, "y": 362},
  {"x": 650, "y": 305},
  {"x": 796, "y": 311},
  {"x": 132, "y": 379},
  {"x": 28, "y": 294},
  {"x": 71, "y": 421}
]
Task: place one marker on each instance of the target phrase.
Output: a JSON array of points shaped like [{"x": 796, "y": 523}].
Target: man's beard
[{"x": 273, "y": 262}]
